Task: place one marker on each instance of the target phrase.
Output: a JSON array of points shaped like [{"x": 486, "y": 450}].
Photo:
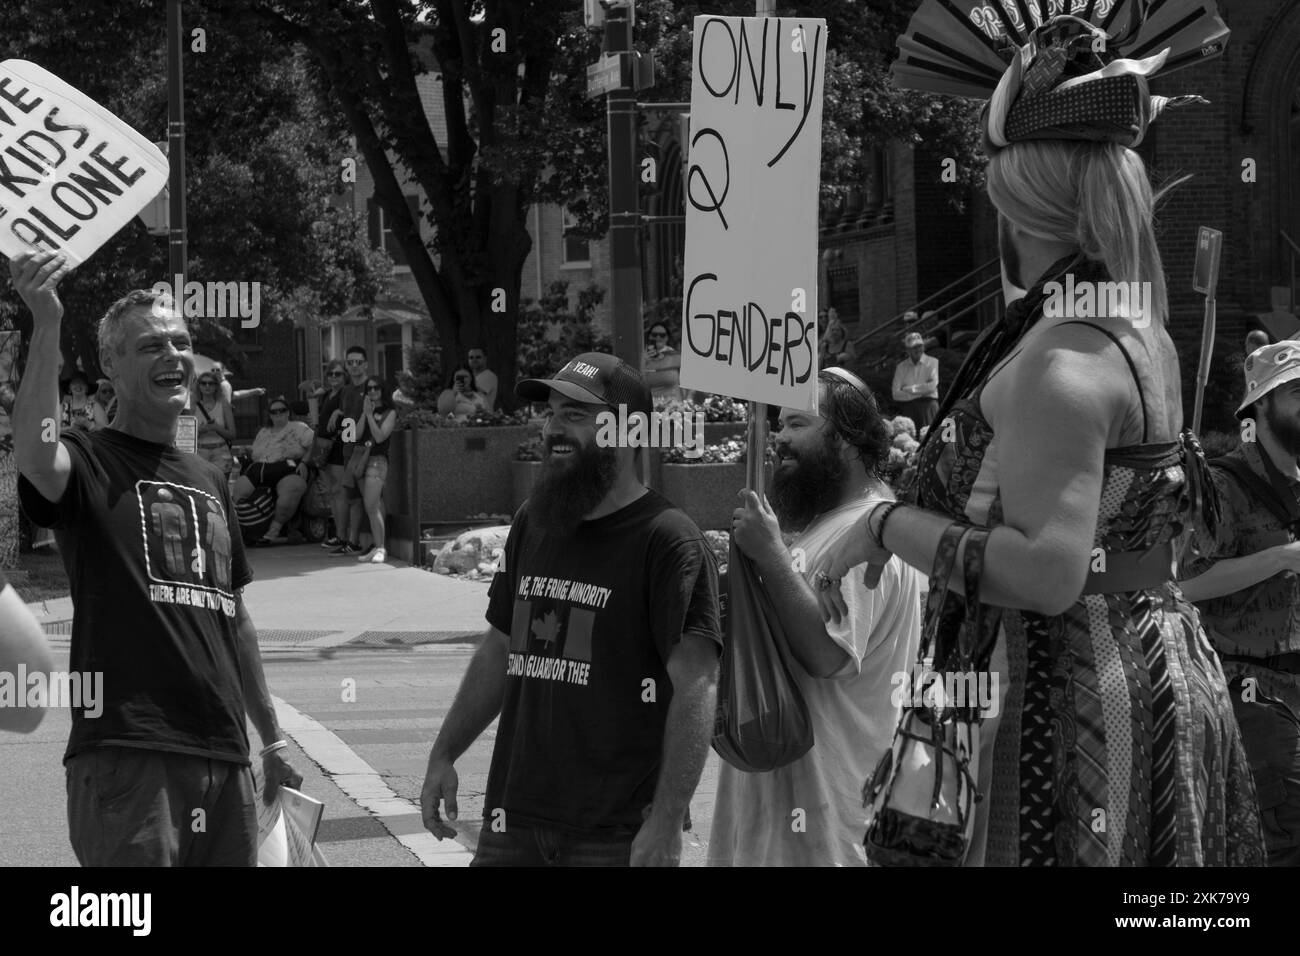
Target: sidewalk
[{"x": 302, "y": 596}]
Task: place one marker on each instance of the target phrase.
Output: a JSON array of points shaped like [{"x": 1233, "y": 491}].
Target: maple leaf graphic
[{"x": 546, "y": 628}]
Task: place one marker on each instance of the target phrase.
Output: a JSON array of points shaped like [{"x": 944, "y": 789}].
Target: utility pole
[
  {"x": 624, "y": 202},
  {"x": 176, "y": 245}
]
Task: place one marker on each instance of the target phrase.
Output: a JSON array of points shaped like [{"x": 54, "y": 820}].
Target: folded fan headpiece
[{"x": 1057, "y": 69}]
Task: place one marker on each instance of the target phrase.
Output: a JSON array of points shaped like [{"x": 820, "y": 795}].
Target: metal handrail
[
  {"x": 917, "y": 308},
  {"x": 881, "y": 330},
  {"x": 886, "y": 358}
]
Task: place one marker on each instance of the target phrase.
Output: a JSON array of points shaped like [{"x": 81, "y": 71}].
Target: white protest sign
[
  {"x": 71, "y": 173},
  {"x": 187, "y": 434},
  {"x": 749, "y": 322}
]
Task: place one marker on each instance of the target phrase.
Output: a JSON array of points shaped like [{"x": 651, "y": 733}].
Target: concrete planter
[
  {"x": 523, "y": 475},
  {"x": 708, "y": 493},
  {"x": 447, "y": 476},
  {"x": 466, "y": 471}
]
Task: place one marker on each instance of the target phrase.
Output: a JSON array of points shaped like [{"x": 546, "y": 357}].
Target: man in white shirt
[
  {"x": 916, "y": 382},
  {"x": 485, "y": 382},
  {"x": 809, "y": 813}
]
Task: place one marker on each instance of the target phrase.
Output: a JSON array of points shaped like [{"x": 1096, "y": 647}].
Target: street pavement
[{"x": 363, "y": 661}]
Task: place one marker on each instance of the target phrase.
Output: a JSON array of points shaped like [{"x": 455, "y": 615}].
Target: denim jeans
[{"x": 545, "y": 846}]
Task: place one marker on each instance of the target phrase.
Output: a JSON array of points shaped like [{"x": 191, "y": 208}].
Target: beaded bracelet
[
  {"x": 272, "y": 748},
  {"x": 878, "y": 536}
]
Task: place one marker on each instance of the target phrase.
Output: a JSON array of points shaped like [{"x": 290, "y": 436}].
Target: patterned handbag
[{"x": 923, "y": 789}]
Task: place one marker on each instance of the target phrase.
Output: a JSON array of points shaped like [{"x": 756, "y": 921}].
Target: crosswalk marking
[{"x": 366, "y": 788}]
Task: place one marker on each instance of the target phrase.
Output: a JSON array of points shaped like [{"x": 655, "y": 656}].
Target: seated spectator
[
  {"x": 485, "y": 382},
  {"x": 279, "y": 461},
  {"x": 78, "y": 408},
  {"x": 463, "y": 399},
  {"x": 663, "y": 364}
]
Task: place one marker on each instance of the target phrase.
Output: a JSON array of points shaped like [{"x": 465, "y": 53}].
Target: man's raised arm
[{"x": 40, "y": 457}]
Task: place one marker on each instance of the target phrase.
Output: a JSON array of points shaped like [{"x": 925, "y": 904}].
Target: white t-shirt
[
  {"x": 756, "y": 818},
  {"x": 486, "y": 384}
]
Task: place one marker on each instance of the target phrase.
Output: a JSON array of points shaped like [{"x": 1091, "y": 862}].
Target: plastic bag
[
  {"x": 922, "y": 792},
  {"x": 763, "y": 721}
]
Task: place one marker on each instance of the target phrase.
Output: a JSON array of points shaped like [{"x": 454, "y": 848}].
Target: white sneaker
[
  {"x": 365, "y": 555},
  {"x": 379, "y": 557}
]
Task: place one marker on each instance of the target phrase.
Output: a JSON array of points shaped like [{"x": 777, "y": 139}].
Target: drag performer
[{"x": 1113, "y": 742}]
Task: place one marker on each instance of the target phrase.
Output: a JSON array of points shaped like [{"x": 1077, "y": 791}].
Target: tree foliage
[{"x": 262, "y": 155}]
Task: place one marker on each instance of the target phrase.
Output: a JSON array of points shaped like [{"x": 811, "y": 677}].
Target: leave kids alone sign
[
  {"x": 71, "y": 173},
  {"x": 749, "y": 324}
]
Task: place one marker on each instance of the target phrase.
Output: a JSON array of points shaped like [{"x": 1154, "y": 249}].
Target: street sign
[
  {"x": 1205, "y": 275},
  {"x": 609, "y": 73}
]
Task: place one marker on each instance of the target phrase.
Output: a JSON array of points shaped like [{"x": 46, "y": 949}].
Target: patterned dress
[{"x": 1115, "y": 742}]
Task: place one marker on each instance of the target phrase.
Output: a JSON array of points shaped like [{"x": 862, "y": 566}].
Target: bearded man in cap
[
  {"x": 827, "y": 476},
  {"x": 601, "y": 656},
  {"x": 1247, "y": 586},
  {"x": 916, "y": 383}
]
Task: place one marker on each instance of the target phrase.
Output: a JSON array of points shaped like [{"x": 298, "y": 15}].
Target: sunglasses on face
[
  {"x": 334, "y": 375},
  {"x": 373, "y": 388},
  {"x": 206, "y": 383},
  {"x": 279, "y": 411}
]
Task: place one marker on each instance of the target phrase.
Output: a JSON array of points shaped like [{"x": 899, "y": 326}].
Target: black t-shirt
[
  {"x": 329, "y": 406},
  {"x": 351, "y": 400},
  {"x": 592, "y": 620},
  {"x": 154, "y": 560}
]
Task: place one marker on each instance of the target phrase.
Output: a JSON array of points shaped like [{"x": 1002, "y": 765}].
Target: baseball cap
[
  {"x": 912, "y": 338},
  {"x": 1268, "y": 367},
  {"x": 594, "y": 377}
]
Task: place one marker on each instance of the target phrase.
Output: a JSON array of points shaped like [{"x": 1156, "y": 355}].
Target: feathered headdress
[{"x": 1057, "y": 69}]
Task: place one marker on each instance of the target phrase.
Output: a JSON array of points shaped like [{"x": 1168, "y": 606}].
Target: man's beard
[
  {"x": 810, "y": 487},
  {"x": 565, "y": 492},
  {"x": 1010, "y": 257},
  {"x": 1285, "y": 430}
]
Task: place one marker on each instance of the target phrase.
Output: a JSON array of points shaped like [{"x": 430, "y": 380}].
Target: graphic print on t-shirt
[
  {"x": 550, "y": 631},
  {"x": 187, "y": 553}
]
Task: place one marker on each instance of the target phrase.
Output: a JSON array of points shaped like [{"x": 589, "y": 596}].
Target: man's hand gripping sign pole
[{"x": 749, "y": 326}]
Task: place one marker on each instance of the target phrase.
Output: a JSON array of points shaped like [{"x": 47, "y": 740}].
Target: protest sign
[
  {"x": 286, "y": 830},
  {"x": 71, "y": 173},
  {"x": 187, "y": 434},
  {"x": 749, "y": 322}
]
